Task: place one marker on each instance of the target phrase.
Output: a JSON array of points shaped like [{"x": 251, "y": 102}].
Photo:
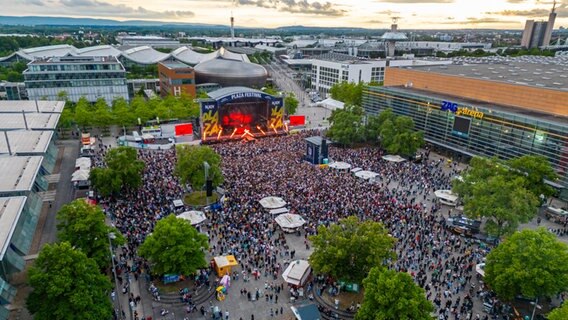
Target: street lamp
[{"x": 206, "y": 167}]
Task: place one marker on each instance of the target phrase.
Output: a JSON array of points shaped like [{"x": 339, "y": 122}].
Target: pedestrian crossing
[
  {"x": 53, "y": 178},
  {"x": 47, "y": 195}
]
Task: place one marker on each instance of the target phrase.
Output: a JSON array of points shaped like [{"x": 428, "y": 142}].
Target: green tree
[
  {"x": 141, "y": 109},
  {"x": 66, "y": 285},
  {"x": 123, "y": 170},
  {"x": 398, "y": 136},
  {"x": 102, "y": 114},
  {"x": 190, "y": 168},
  {"x": 175, "y": 247},
  {"x": 480, "y": 169},
  {"x": 83, "y": 113},
  {"x": 346, "y": 126},
  {"x": 290, "y": 103},
  {"x": 348, "y": 92},
  {"x": 530, "y": 263},
  {"x": 83, "y": 226},
  {"x": 560, "y": 313},
  {"x": 391, "y": 295},
  {"x": 536, "y": 169},
  {"x": 122, "y": 115},
  {"x": 348, "y": 250}
]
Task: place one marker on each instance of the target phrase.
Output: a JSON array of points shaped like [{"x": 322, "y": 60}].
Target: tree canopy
[
  {"x": 123, "y": 170},
  {"x": 398, "y": 135},
  {"x": 560, "y": 313},
  {"x": 530, "y": 263},
  {"x": 66, "y": 285},
  {"x": 190, "y": 169},
  {"x": 504, "y": 192},
  {"x": 346, "y": 126},
  {"x": 392, "y": 295},
  {"x": 175, "y": 247},
  {"x": 348, "y": 92},
  {"x": 290, "y": 103},
  {"x": 349, "y": 249},
  {"x": 83, "y": 226}
]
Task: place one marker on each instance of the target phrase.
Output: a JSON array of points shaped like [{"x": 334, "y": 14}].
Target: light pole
[
  {"x": 112, "y": 236},
  {"x": 206, "y": 167}
]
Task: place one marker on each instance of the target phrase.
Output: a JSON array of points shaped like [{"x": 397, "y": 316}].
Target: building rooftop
[
  {"x": 10, "y": 210},
  {"x": 516, "y": 111},
  {"x": 34, "y": 121},
  {"x": 534, "y": 74},
  {"x": 338, "y": 57},
  {"x": 17, "y": 106},
  {"x": 175, "y": 65},
  {"x": 227, "y": 91},
  {"x": 18, "y": 173},
  {"x": 75, "y": 60},
  {"x": 25, "y": 142}
]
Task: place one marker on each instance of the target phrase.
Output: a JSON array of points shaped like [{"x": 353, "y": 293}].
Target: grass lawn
[{"x": 198, "y": 198}]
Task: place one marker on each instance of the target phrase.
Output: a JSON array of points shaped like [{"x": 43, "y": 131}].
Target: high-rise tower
[
  {"x": 549, "y": 26},
  {"x": 232, "y": 25}
]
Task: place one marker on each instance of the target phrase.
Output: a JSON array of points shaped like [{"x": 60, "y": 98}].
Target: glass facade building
[
  {"x": 91, "y": 77},
  {"x": 477, "y": 128}
]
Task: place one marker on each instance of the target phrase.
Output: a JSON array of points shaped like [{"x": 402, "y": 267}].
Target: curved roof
[
  {"x": 394, "y": 36},
  {"x": 230, "y": 69},
  {"x": 142, "y": 54}
]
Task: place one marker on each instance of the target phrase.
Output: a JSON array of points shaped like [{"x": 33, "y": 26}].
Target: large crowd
[{"x": 401, "y": 198}]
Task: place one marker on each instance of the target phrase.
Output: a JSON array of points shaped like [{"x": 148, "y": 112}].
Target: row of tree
[
  {"x": 67, "y": 277},
  {"x": 290, "y": 101},
  {"x": 505, "y": 192},
  {"x": 121, "y": 113},
  {"x": 123, "y": 171},
  {"x": 394, "y": 133}
]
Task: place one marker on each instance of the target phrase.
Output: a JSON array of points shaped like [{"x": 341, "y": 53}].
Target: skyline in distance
[{"x": 412, "y": 14}]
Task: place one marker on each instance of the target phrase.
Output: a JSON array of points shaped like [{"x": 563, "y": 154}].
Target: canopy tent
[
  {"x": 279, "y": 211},
  {"x": 290, "y": 221},
  {"x": 272, "y": 202},
  {"x": 331, "y": 104},
  {"x": 366, "y": 175},
  {"x": 480, "y": 269},
  {"x": 83, "y": 163},
  {"x": 178, "y": 203},
  {"x": 80, "y": 175},
  {"x": 393, "y": 158},
  {"x": 194, "y": 217},
  {"x": 306, "y": 312},
  {"x": 297, "y": 272},
  {"x": 223, "y": 264},
  {"x": 355, "y": 170},
  {"x": 340, "y": 165}
]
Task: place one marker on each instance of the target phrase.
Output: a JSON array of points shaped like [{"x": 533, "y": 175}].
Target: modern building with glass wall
[
  {"x": 91, "y": 77},
  {"x": 485, "y": 109},
  {"x": 27, "y": 158}
]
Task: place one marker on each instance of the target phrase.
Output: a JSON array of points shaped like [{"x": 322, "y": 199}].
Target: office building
[
  {"x": 538, "y": 33},
  {"x": 486, "y": 109},
  {"x": 13, "y": 91},
  {"x": 136, "y": 86},
  {"x": 152, "y": 41},
  {"x": 89, "y": 77},
  {"x": 176, "y": 79},
  {"x": 333, "y": 68},
  {"x": 27, "y": 158}
]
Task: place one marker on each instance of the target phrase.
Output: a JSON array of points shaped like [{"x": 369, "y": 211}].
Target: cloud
[
  {"x": 417, "y": 1},
  {"x": 561, "y": 12},
  {"x": 516, "y": 1},
  {"x": 474, "y": 21},
  {"x": 295, "y": 6},
  {"x": 34, "y": 2},
  {"x": 101, "y": 8},
  {"x": 388, "y": 12}
]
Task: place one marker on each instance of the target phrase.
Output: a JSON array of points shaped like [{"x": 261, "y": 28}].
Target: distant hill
[{"x": 64, "y": 21}]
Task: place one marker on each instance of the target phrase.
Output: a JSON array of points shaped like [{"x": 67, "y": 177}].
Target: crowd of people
[{"x": 401, "y": 198}]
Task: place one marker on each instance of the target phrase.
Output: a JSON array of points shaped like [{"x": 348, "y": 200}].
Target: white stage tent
[
  {"x": 194, "y": 217},
  {"x": 272, "y": 202},
  {"x": 297, "y": 272}
]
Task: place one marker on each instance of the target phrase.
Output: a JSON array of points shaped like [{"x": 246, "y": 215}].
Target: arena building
[{"x": 505, "y": 109}]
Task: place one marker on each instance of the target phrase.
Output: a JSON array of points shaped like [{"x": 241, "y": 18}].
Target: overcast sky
[{"x": 413, "y": 14}]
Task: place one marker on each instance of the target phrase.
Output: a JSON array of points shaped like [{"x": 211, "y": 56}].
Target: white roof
[
  {"x": 297, "y": 272},
  {"x": 83, "y": 163},
  {"x": 446, "y": 195},
  {"x": 393, "y": 158},
  {"x": 26, "y": 142},
  {"x": 279, "y": 211},
  {"x": 10, "y": 210},
  {"x": 364, "y": 174},
  {"x": 9, "y": 106},
  {"x": 290, "y": 221},
  {"x": 331, "y": 104},
  {"x": 18, "y": 173},
  {"x": 194, "y": 217},
  {"x": 35, "y": 121},
  {"x": 81, "y": 175},
  {"x": 340, "y": 165},
  {"x": 140, "y": 54},
  {"x": 272, "y": 202}
]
